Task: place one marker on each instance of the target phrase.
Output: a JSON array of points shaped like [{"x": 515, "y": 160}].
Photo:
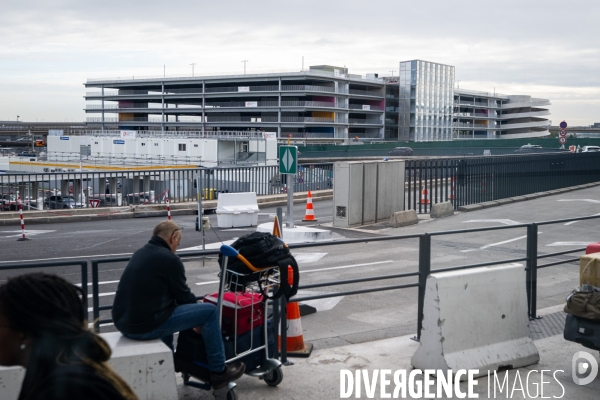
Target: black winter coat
[{"x": 152, "y": 285}]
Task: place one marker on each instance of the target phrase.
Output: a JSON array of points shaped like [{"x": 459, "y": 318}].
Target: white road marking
[
  {"x": 28, "y": 232},
  {"x": 500, "y": 221},
  {"x": 99, "y": 283},
  {"x": 236, "y": 229},
  {"x": 319, "y": 270},
  {"x": 568, "y": 244},
  {"x": 68, "y": 258},
  {"x": 209, "y": 246},
  {"x": 588, "y": 200},
  {"x": 320, "y": 304},
  {"x": 497, "y": 244},
  {"x": 103, "y": 294},
  {"x": 573, "y": 222},
  {"x": 305, "y": 258},
  {"x": 347, "y": 266}
]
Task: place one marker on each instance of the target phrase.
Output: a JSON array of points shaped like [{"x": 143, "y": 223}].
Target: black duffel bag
[{"x": 262, "y": 250}]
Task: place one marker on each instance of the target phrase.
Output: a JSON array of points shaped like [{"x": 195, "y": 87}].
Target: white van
[{"x": 587, "y": 149}]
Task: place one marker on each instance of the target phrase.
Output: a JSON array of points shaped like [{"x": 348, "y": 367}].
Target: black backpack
[{"x": 262, "y": 250}]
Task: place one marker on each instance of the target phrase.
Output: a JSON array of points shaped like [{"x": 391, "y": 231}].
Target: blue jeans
[{"x": 188, "y": 316}]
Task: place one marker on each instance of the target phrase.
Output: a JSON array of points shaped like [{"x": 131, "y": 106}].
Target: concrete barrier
[
  {"x": 476, "y": 319},
  {"x": 237, "y": 209},
  {"x": 440, "y": 210},
  {"x": 147, "y": 366},
  {"x": 403, "y": 218}
]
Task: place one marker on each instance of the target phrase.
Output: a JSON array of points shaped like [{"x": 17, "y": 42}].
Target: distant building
[{"x": 420, "y": 104}]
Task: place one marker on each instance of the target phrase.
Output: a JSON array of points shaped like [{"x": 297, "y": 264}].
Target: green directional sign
[{"x": 288, "y": 160}]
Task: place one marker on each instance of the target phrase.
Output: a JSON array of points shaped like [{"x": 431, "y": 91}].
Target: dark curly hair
[{"x": 50, "y": 311}]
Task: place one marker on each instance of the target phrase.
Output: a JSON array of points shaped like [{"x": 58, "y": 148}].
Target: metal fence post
[
  {"x": 95, "y": 297},
  {"x": 84, "y": 286},
  {"x": 424, "y": 271},
  {"x": 531, "y": 270}
]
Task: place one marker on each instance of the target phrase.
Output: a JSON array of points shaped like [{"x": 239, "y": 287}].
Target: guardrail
[
  {"x": 134, "y": 187},
  {"x": 531, "y": 257}
]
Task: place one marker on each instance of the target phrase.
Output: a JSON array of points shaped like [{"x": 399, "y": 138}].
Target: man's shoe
[{"x": 232, "y": 372}]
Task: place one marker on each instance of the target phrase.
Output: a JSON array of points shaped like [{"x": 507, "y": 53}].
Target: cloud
[{"x": 549, "y": 47}]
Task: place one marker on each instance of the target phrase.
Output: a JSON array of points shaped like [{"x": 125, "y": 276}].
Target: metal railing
[
  {"x": 242, "y": 89},
  {"x": 134, "y": 187},
  {"x": 307, "y": 88},
  {"x": 366, "y": 92},
  {"x": 472, "y": 180},
  {"x": 530, "y": 256},
  {"x": 307, "y": 119}
]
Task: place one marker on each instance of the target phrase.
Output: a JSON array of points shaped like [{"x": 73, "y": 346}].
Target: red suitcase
[
  {"x": 592, "y": 248},
  {"x": 247, "y": 306}
]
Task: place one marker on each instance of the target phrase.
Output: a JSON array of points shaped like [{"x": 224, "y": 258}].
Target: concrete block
[
  {"x": 490, "y": 204},
  {"x": 504, "y": 201},
  {"x": 519, "y": 198},
  {"x": 147, "y": 366},
  {"x": 476, "y": 319},
  {"x": 11, "y": 379},
  {"x": 470, "y": 207},
  {"x": 404, "y": 218},
  {"x": 440, "y": 210}
]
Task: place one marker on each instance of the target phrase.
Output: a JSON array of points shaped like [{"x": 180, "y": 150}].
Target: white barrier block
[
  {"x": 476, "y": 319},
  {"x": 237, "y": 209},
  {"x": 147, "y": 366}
]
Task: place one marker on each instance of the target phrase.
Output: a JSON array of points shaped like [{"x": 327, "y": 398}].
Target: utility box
[{"x": 367, "y": 191}]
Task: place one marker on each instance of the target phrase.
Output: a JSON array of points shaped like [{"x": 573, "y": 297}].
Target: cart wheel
[
  {"x": 231, "y": 394},
  {"x": 186, "y": 377},
  {"x": 275, "y": 377}
]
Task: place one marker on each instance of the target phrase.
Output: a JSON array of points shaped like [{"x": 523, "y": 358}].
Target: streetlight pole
[
  {"x": 244, "y": 61},
  {"x": 17, "y": 118},
  {"x": 192, "y": 64}
]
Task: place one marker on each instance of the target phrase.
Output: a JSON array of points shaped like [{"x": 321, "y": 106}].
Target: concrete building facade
[{"x": 421, "y": 104}]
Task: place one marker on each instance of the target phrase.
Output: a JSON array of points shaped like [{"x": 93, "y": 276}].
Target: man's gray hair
[{"x": 165, "y": 229}]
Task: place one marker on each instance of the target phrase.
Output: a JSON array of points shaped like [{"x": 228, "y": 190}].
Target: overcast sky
[{"x": 48, "y": 49}]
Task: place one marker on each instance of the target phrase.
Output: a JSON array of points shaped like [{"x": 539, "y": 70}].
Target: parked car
[
  {"x": 530, "y": 148},
  {"x": 401, "y": 151},
  {"x": 8, "y": 202},
  {"x": 62, "y": 202},
  {"x": 588, "y": 149}
]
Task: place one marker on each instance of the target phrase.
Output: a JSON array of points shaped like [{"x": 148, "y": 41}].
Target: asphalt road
[{"x": 346, "y": 319}]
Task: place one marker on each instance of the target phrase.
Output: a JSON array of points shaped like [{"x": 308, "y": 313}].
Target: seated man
[{"x": 153, "y": 301}]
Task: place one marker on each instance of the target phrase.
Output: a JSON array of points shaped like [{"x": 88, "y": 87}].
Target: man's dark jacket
[{"x": 152, "y": 285}]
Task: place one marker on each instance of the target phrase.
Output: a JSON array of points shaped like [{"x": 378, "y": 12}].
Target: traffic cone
[
  {"x": 295, "y": 346},
  {"x": 310, "y": 212},
  {"x": 424, "y": 196}
]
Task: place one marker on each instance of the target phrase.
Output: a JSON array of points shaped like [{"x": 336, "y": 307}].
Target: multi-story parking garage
[
  {"x": 325, "y": 101},
  {"x": 321, "y": 102},
  {"x": 481, "y": 115}
]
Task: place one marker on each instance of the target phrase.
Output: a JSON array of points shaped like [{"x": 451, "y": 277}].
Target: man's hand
[{"x": 198, "y": 330}]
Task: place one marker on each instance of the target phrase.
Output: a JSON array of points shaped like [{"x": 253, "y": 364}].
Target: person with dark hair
[
  {"x": 154, "y": 301},
  {"x": 43, "y": 327}
]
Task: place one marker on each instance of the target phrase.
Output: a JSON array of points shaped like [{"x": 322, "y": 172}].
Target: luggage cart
[{"x": 270, "y": 369}]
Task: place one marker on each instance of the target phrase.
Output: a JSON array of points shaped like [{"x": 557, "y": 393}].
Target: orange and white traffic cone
[
  {"x": 424, "y": 196},
  {"x": 295, "y": 346},
  {"x": 310, "y": 212}
]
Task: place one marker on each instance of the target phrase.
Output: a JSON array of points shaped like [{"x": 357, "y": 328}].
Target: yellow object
[
  {"x": 208, "y": 193},
  {"x": 589, "y": 269}
]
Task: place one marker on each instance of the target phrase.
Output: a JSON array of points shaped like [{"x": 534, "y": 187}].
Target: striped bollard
[
  {"x": 168, "y": 205},
  {"x": 23, "y": 238}
]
